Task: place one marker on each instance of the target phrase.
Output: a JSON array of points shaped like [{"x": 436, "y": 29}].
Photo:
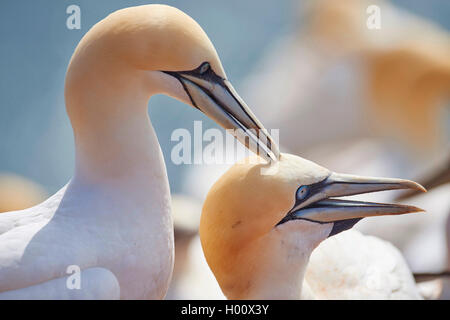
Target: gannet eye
[
  {"x": 302, "y": 192},
  {"x": 204, "y": 67}
]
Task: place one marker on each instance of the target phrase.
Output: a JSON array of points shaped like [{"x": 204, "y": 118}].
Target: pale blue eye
[{"x": 302, "y": 192}]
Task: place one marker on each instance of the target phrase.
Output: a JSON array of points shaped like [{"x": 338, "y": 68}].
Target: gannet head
[
  {"x": 258, "y": 230},
  {"x": 159, "y": 49}
]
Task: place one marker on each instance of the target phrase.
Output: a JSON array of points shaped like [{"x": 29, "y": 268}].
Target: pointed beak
[
  {"x": 320, "y": 205},
  {"x": 439, "y": 176},
  {"x": 216, "y": 98}
]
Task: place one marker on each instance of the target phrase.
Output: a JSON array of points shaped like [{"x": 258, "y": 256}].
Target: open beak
[
  {"x": 320, "y": 206},
  {"x": 216, "y": 98}
]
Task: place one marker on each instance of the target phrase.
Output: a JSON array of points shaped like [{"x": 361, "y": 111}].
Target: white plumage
[
  {"x": 353, "y": 266},
  {"x": 113, "y": 219}
]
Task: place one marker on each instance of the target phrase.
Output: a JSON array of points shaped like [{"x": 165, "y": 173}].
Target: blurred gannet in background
[
  {"x": 113, "y": 219},
  {"x": 17, "y": 193},
  {"x": 258, "y": 232},
  {"x": 375, "y": 100},
  {"x": 404, "y": 63}
]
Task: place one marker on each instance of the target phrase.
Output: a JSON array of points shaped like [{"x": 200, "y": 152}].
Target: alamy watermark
[
  {"x": 73, "y": 281},
  {"x": 212, "y": 146},
  {"x": 373, "y": 21},
  {"x": 73, "y": 21}
]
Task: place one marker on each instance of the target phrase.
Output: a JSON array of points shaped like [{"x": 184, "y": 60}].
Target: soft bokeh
[{"x": 35, "y": 133}]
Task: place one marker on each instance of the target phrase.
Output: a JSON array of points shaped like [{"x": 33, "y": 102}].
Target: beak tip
[
  {"x": 414, "y": 209},
  {"x": 417, "y": 186}
]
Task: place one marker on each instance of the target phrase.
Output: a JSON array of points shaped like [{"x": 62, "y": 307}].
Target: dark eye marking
[
  {"x": 204, "y": 72},
  {"x": 306, "y": 191},
  {"x": 205, "y": 66}
]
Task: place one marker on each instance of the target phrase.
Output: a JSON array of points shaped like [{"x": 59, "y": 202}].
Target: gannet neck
[
  {"x": 113, "y": 134},
  {"x": 273, "y": 276},
  {"x": 275, "y": 264},
  {"x": 113, "y": 72}
]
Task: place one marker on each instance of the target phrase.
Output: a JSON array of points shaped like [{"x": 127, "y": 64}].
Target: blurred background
[
  {"x": 35, "y": 133},
  {"x": 373, "y": 102}
]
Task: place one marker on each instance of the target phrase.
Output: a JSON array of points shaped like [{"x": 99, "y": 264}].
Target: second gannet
[
  {"x": 260, "y": 224},
  {"x": 375, "y": 100},
  {"x": 110, "y": 227}
]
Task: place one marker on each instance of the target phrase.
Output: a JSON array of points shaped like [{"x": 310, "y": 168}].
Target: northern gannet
[
  {"x": 113, "y": 219},
  {"x": 375, "y": 100},
  {"x": 258, "y": 232}
]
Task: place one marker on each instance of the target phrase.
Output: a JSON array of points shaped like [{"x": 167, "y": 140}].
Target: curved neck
[{"x": 114, "y": 138}]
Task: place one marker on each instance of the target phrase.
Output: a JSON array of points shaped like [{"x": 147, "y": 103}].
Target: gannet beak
[
  {"x": 439, "y": 176},
  {"x": 317, "y": 204},
  {"x": 216, "y": 97}
]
